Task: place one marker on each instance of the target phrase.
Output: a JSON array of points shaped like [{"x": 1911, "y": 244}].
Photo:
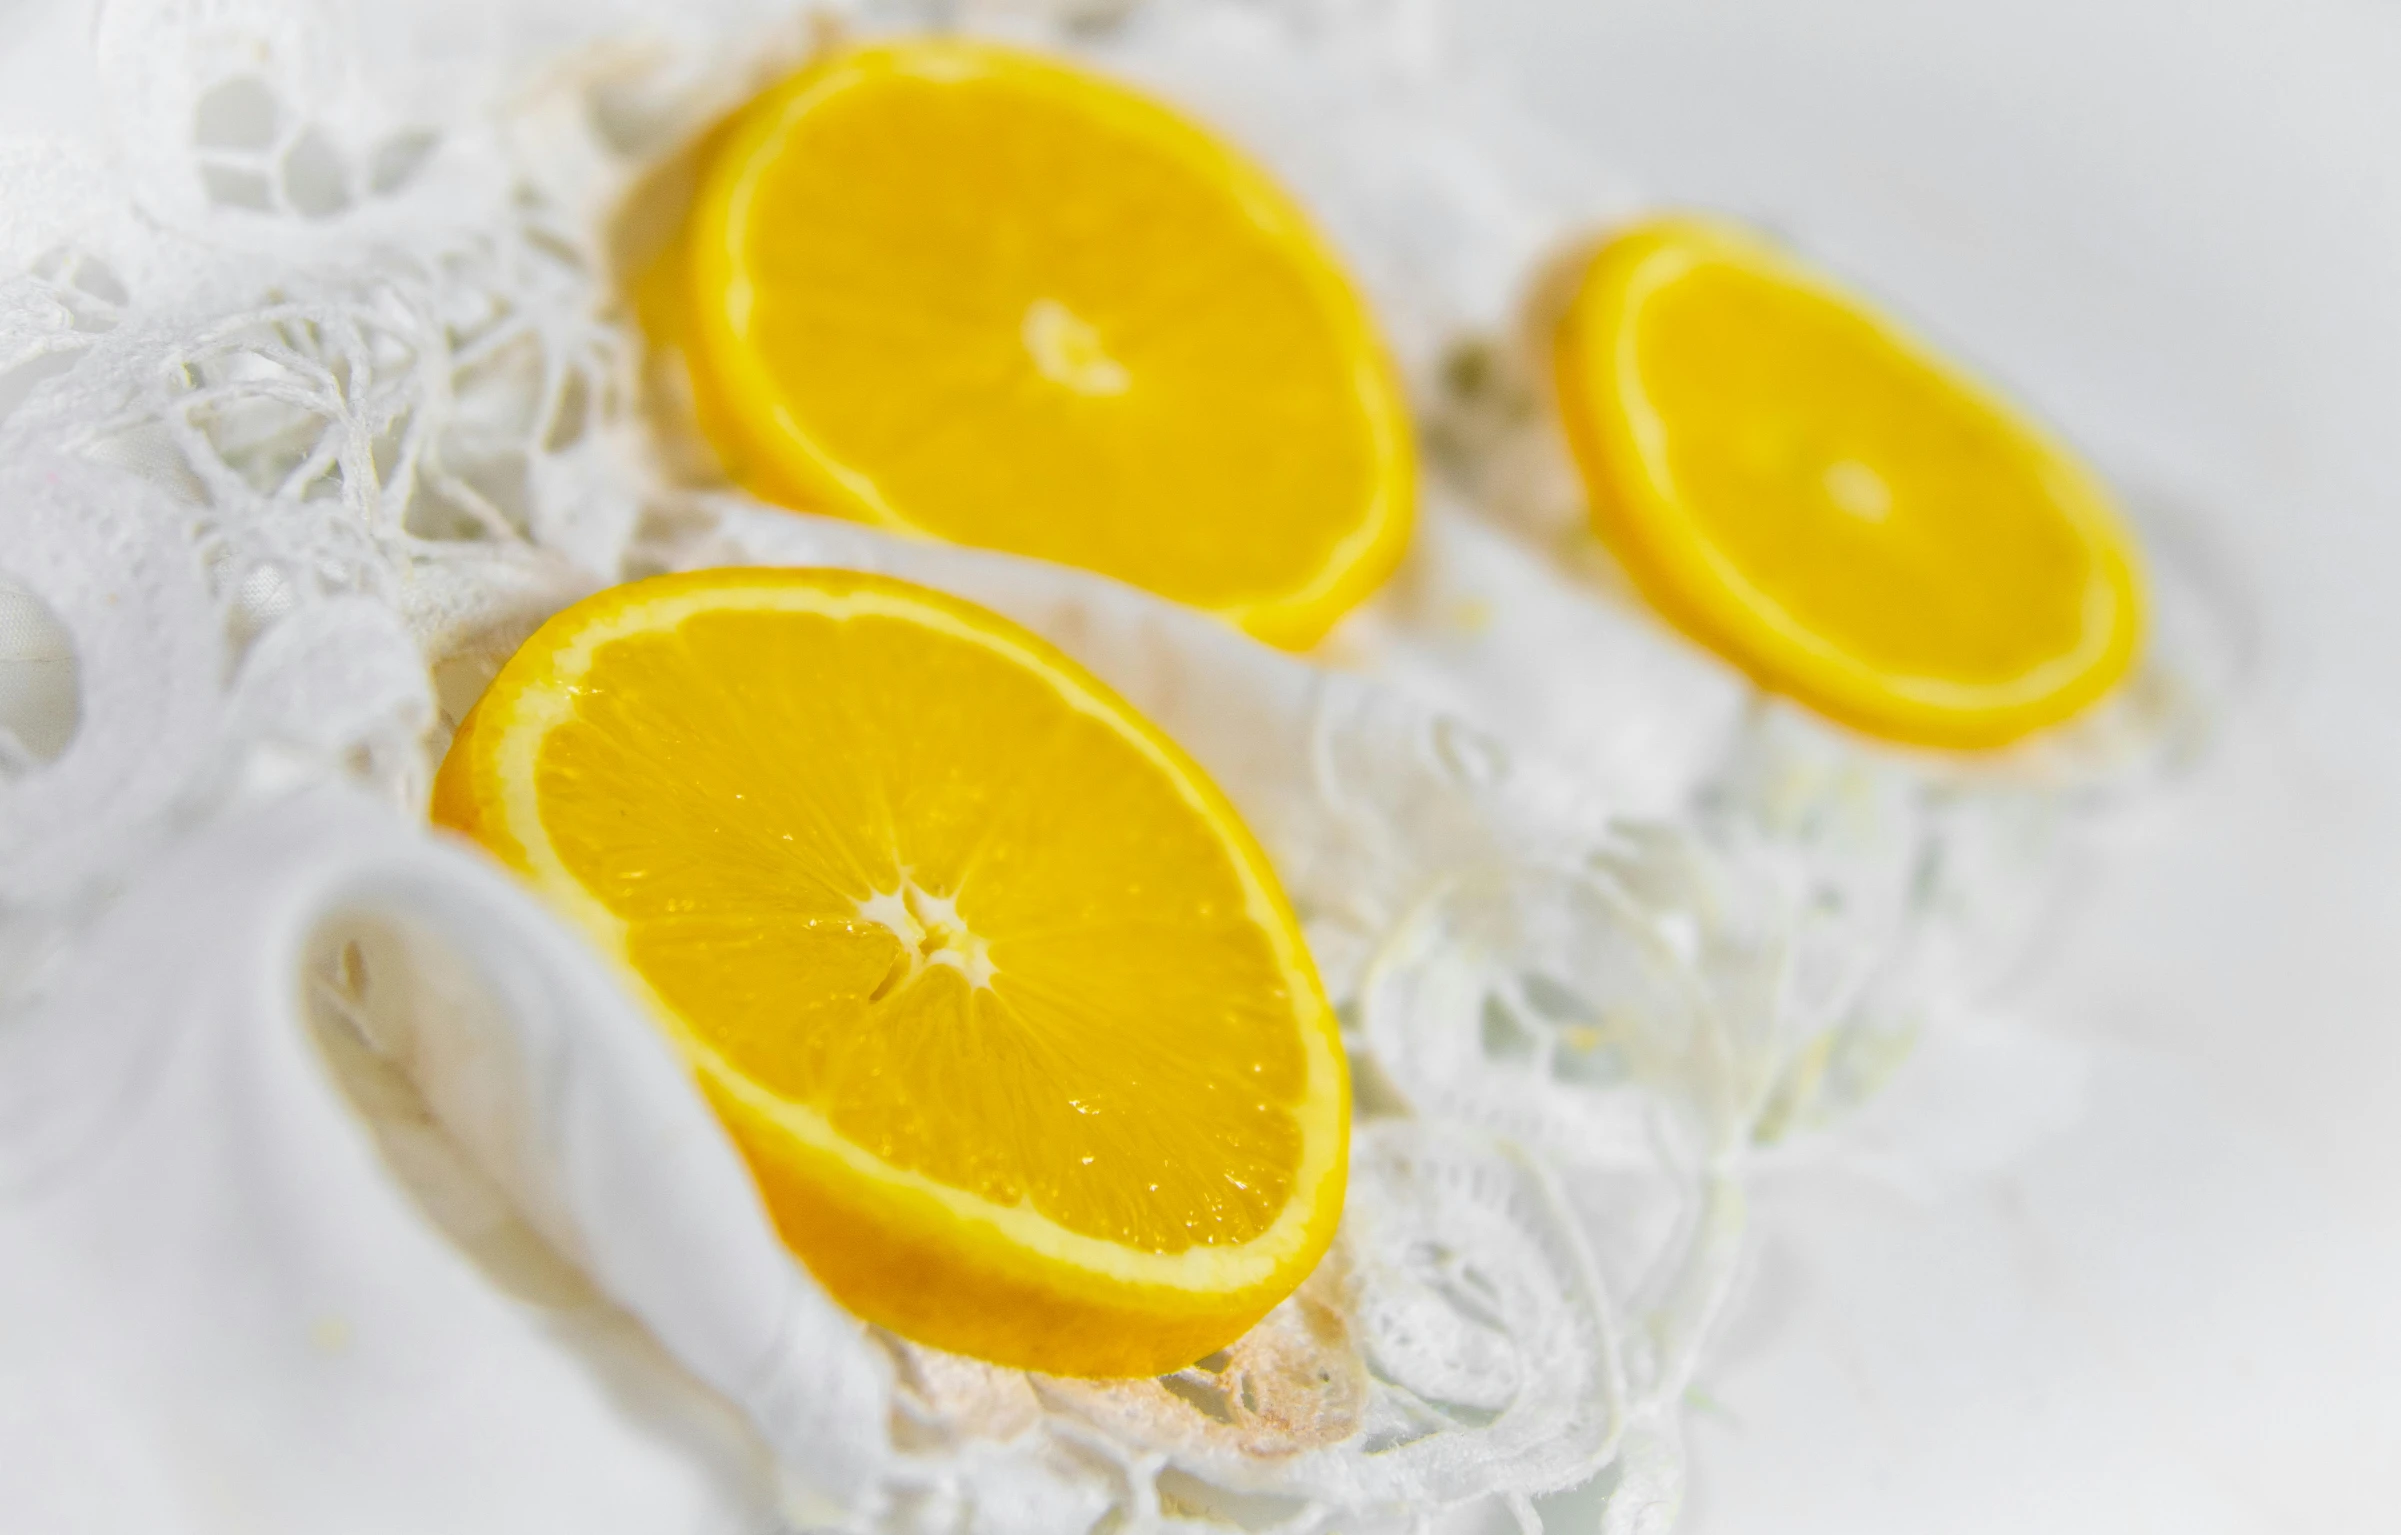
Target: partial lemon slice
[
  {"x": 961, "y": 291},
  {"x": 995, "y": 993},
  {"x": 1812, "y": 493}
]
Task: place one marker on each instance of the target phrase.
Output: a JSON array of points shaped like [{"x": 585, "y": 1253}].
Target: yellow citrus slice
[
  {"x": 998, "y": 998},
  {"x": 1812, "y": 493},
  {"x": 961, "y": 291}
]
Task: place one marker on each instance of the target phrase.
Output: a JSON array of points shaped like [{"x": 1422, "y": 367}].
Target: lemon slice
[
  {"x": 960, "y": 291},
  {"x": 999, "y": 1000},
  {"x": 1814, "y": 495}
]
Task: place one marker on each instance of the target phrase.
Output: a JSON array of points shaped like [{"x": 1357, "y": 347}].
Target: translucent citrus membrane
[
  {"x": 1821, "y": 499},
  {"x": 967, "y": 292},
  {"x": 1897, "y": 516},
  {"x": 1011, "y": 960}
]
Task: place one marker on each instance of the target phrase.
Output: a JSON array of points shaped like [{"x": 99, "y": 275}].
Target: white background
[
  {"x": 2175, "y": 227},
  {"x": 2170, "y": 1298}
]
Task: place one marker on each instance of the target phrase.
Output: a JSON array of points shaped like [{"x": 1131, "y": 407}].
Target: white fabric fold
[{"x": 229, "y": 1268}]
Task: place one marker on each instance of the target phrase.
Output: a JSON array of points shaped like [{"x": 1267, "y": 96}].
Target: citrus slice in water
[
  {"x": 1816, "y": 496},
  {"x": 962, "y": 291},
  {"x": 998, "y": 998}
]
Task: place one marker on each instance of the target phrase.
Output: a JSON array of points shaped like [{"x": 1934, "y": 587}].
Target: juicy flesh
[
  {"x": 1031, "y": 327},
  {"x": 1854, "y": 486},
  {"x": 974, "y": 939}
]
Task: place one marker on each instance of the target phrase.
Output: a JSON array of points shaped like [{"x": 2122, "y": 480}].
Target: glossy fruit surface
[
  {"x": 1812, "y": 493},
  {"x": 997, "y": 996},
  {"x": 966, "y": 292}
]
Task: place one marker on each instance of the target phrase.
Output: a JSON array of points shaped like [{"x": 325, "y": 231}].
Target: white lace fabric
[{"x": 348, "y": 1189}]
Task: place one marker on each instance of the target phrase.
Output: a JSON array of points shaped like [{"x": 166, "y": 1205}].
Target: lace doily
[{"x": 318, "y": 390}]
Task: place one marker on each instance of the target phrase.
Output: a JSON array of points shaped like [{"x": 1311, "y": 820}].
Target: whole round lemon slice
[
  {"x": 961, "y": 291},
  {"x": 1814, "y": 495},
  {"x": 998, "y": 998}
]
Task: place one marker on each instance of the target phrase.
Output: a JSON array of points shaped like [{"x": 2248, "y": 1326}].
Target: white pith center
[
  {"x": 1859, "y": 490},
  {"x": 931, "y": 932},
  {"x": 1067, "y": 351}
]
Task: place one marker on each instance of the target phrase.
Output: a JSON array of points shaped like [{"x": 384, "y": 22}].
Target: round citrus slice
[
  {"x": 997, "y": 997},
  {"x": 961, "y": 291},
  {"x": 1816, "y": 496}
]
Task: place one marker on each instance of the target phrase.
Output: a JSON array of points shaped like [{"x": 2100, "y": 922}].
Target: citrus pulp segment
[
  {"x": 966, "y": 292},
  {"x": 1001, "y": 1003},
  {"x": 1813, "y": 494}
]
